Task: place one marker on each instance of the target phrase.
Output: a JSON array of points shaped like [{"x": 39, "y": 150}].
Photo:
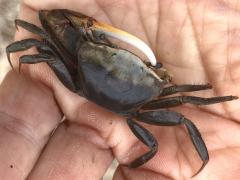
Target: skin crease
[{"x": 197, "y": 41}]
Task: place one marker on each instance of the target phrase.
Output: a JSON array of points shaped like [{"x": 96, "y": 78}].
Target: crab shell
[{"x": 111, "y": 77}]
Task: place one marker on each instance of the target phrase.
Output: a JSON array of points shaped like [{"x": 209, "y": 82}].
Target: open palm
[{"x": 198, "y": 43}]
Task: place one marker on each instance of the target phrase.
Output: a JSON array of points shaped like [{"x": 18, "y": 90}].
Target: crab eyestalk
[{"x": 110, "y": 31}]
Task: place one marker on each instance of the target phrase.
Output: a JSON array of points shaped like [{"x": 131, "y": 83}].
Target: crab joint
[{"x": 125, "y": 37}]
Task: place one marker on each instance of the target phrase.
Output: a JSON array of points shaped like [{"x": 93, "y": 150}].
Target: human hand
[{"x": 196, "y": 42}]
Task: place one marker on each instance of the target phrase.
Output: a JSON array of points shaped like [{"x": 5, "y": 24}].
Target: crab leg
[
  {"x": 35, "y": 58},
  {"x": 21, "y": 46},
  {"x": 36, "y": 30},
  {"x": 184, "y": 88},
  {"x": 56, "y": 65},
  {"x": 47, "y": 54},
  {"x": 32, "y": 28},
  {"x": 147, "y": 138},
  {"x": 179, "y": 100},
  {"x": 171, "y": 118},
  {"x": 110, "y": 31},
  {"x": 27, "y": 44}
]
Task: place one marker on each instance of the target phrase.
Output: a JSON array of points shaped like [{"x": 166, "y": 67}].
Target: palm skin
[{"x": 197, "y": 43}]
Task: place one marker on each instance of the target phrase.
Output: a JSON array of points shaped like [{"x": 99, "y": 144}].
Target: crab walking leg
[
  {"x": 47, "y": 54},
  {"x": 56, "y": 65},
  {"x": 36, "y": 30},
  {"x": 25, "y": 44},
  {"x": 46, "y": 42},
  {"x": 110, "y": 31},
  {"x": 179, "y": 100},
  {"x": 147, "y": 138},
  {"x": 21, "y": 46},
  {"x": 171, "y": 118},
  {"x": 32, "y": 28},
  {"x": 35, "y": 58},
  {"x": 184, "y": 88}
]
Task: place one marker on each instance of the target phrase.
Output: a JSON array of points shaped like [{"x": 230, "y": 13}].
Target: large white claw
[{"x": 110, "y": 31}]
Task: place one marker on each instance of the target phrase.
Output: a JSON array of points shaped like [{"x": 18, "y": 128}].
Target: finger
[
  {"x": 123, "y": 173},
  {"x": 28, "y": 114},
  {"x": 112, "y": 12},
  {"x": 74, "y": 152},
  {"x": 90, "y": 8}
]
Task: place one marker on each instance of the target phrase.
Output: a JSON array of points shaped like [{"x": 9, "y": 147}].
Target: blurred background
[{"x": 8, "y": 12}]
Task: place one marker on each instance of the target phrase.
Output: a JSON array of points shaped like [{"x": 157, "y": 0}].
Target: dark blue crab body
[{"x": 116, "y": 79}]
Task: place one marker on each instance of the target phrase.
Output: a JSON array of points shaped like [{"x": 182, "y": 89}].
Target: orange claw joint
[{"x": 112, "y": 32}]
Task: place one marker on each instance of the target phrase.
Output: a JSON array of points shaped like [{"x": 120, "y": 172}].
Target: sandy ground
[{"x": 8, "y": 12}]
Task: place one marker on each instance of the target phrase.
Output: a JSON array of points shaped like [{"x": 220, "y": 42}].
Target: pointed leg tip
[
  {"x": 19, "y": 67},
  {"x": 133, "y": 165},
  {"x": 11, "y": 65},
  {"x": 234, "y": 97},
  {"x": 229, "y": 98},
  {"x": 203, "y": 165},
  {"x": 16, "y": 24},
  {"x": 130, "y": 166},
  {"x": 209, "y": 86}
]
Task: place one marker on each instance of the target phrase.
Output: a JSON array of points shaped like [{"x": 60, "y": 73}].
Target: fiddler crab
[{"x": 78, "y": 49}]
